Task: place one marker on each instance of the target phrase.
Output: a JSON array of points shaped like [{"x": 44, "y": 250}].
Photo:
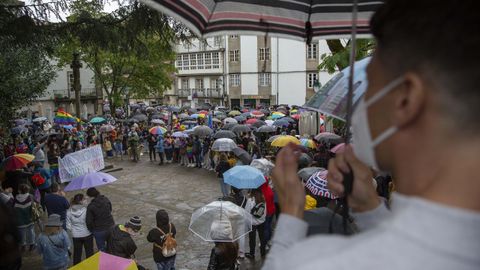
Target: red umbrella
[
  {"x": 257, "y": 114},
  {"x": 245, "y": 110},
  {"x": 251, "y": 121},
  {"x": 295, "y": 116},
  {"x": 203, "y": 112}
]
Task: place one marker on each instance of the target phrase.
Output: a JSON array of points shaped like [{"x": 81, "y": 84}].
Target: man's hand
[
  {"x": 364, "y": 196},
  {"x": 291, "y": 193}
]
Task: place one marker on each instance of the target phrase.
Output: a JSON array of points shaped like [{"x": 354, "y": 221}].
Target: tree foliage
[
  {"x": 339, "y": 56},
  {"x": 26, "y": 74}
]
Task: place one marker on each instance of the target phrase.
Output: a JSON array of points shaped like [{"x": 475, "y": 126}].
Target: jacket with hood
[
  {"x": 120, "y": 243},
  {"x": 156, "y": 237},
  {"x": 76, "y": 221},
  {"x": 23, "y": 210},
  {"x": 269, "y": 198},
  {"x": 99, "y": 214}
]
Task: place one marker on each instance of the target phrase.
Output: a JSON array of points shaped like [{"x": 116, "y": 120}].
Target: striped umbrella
[
  {"x": 17, "y": 161},
  {"x": 295, "y": 19},
  {"x": 157, "y": 130}
]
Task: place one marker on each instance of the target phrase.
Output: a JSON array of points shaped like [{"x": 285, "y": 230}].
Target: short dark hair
[
  {"x": 23, "y": 189},
  {"x": 92, "y": 192},
  {"x": 440, "y": 41},
  {"x": 54, "y": 188},
  {"x": 77, "y": 199}
]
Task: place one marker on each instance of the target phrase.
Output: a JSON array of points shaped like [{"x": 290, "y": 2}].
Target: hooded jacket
[
  {"x": 23, "y": 210},
  {"x": 156, "y": 237},
  {"x": 76, "y": 221},
  {"x": 120, "y": 243},
  {"x": 99, "y": 214},
  {"x": 54, "y": 249}
]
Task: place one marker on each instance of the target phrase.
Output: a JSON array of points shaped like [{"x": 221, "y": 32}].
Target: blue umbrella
[
  {"x": 281, "y": 123},
  {"x": 89, "y": 180},
  {"x": 98, "y": 120},
  {"x": 244, "y": 177}
]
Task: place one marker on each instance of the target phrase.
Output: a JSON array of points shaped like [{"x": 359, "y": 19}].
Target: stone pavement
[{"x": 143, "y": 188}]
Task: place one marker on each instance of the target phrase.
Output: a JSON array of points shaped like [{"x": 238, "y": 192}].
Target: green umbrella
[{"x": 98, "y": 120}]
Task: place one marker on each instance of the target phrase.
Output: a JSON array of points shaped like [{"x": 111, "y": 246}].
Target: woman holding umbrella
[{"x": 257, "y": 207}]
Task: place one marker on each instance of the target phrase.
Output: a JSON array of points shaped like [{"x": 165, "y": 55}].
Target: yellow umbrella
[
  {"x": 283, "y": 140},
  {"x": 105, "y": 261}
]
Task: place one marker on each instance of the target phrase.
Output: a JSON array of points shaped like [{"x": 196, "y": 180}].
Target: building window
[
  {"x": 312, "y": 78},
  {"x": 70, "y": 84},
  {"x": 186, "y": 62},
  {"x": 264, "y": 54},
  {"x": 217, "y": 41},
  {"x": 185, "y": 84},
  {"x": 215, "y": 60},
  {"x": 200, "y": 61},
  {"x": 199, "y": 84},
  {"x": 179, "y": 62},
  {"x": 208, "y": 61},
  {"x": 234, "y": 55},
  {"x": 193, "y": 61},
  {"x": 215, "y": 83},
  {"x": 264, "y": 79},
  {"x": 234, "y": 80},
  {"x": 312, "y": 51},
  {"x": 233, "y": 36},
  {"x": 187, "y": 46}
]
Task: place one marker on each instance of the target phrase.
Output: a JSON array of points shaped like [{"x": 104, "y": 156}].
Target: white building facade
[{"x": 246, "y": 71}]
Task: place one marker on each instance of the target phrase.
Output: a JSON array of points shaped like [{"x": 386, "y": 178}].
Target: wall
[{"x": 249, "y": 66}]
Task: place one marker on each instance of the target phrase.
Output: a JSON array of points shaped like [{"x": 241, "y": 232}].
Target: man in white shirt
[{"x": 419, "y": 121}]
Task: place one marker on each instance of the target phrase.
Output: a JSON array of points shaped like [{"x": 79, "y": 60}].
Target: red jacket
[{"x": 268, "y": 194}]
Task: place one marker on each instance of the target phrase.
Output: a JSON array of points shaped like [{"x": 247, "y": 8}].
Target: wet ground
[{"x": 143, "y": 188}]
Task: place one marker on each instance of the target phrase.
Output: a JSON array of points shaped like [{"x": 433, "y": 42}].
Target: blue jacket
[
  {"x": 45, "y": 174},
  {"x": 160, "y": 148},
  {"x": 54, "y": 250}
]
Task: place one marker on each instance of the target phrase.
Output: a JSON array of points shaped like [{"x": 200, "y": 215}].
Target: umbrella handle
[{"x": 348, "y": 182}]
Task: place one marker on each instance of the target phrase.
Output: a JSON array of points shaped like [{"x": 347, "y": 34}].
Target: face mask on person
[{"x": 364, "y": 145}]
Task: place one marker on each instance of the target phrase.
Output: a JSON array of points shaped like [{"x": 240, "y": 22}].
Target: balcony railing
[
  {"x": 66, "y": 94},
  {"x": 200, "y": 93}
]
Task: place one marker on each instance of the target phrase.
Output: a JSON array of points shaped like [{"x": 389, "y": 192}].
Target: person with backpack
[
  {"x": 41, "y": 179},
  {"x": 99, "y": 217},
  {"x": 119, "y": 239},
  {"x": 76, "y": 224},
  {"x": 224, "y": 255},
  {"x": 164, "y": 243},
  {"x": 23, "y": 204},
  {"x": 257, "y": 207},
  {"x": 54, "y": 244}
]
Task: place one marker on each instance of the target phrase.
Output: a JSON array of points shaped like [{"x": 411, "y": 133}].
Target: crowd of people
[{"x": 87, "y": 217}]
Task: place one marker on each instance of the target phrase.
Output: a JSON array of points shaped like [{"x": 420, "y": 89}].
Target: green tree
[
  {"x": 339, "y": 56},
  {"x": 26, "y": 74}
]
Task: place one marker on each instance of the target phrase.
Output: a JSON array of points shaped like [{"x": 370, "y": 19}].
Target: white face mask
[{"x": 364, "y": 145}]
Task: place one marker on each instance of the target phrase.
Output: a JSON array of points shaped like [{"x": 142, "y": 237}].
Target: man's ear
[{"x": 409, "y": 99}]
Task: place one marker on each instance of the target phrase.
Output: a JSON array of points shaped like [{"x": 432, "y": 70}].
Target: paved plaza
[{"x": 143, "y": 188}]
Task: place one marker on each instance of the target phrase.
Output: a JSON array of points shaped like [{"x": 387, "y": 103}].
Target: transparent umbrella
[
  {"x": 264, "y": 165},
  {"x": 224, "y": 145},
  {"x": 220, "y": 221}
]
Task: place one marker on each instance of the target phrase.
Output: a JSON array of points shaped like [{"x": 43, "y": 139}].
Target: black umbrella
[
  {"x": 258, "y": 123},
  {"x": 174, "y": 109},
  {"x": 229, "y": 126},
  {"x": 140, "y": 117},
  {"x": 241, "y": 128},
  {"x": 240, "y": 118},
  {"x": 266, "y": 129},
  {"x": 243, "y": 155},
  {"x": 289, "y": 119},
  {"x": 224, "y": 134}
]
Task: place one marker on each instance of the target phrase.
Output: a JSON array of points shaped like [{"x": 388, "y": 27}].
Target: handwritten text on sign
[{"x": 80, "y": 163}]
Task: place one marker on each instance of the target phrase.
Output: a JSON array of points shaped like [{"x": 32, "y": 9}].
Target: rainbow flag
[{"x": 64, "y": 118}]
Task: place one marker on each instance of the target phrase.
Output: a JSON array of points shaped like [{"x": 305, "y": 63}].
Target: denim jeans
[
  {"x": 100, "y": 239},
  {"x": 224, "y": 187},
  {"x": 166, "y": 265},
  {"x": 27, "y": 235}
]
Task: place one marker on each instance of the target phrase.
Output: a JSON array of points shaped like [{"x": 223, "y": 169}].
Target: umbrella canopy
[
  {"x": 309, "y": 143},
  {"x": 229, "y": 126},
  {"x": 89, "y": 180},
  {"x": 229, "y": 120},
  {"x": 281, "y": 123},
  {"x": 243, "y": 155},
  {"x": 179, "y": 134},
  {"x": 224, "y": 145},
  {"x": 216, "y": 120},
  {"x": 288, "y": 119},
  {"x": 252, "y": 121},
  {"x": 283, "y": 140},
  {"x": 224, "y": 134},
  {"x": 105, "y": 261},
  {"x": 240, "y": 118},
  {"x": 98, "y": 120},
  {"x": 241, "y": 128},
  {"x": 272, "y": 138},
  {"x": 20, "y": 122},
  {"x": 269, "y": 122},
  {"x": 17, "y": 161},
  {"x": 202, "y": 131},
  {"x": 183, "y": 115},
  {"x": 158, "y": 122},
  {"x": 203, "y": 112},
  {"x": 106, "y": 128},
  {"x": 317, "y": 185},
  {"x": 220, "y": 221},
  {"x": 258, "y": 124},
  {"x": 244, "y": 177},
  {"x": 234, "y": 113},
  {"x": 257, "y": 114},
  {"x": 246, "y": 114},
  {"x": 140, "y": 117},
  {"x": 328, "y": 138},
  {"x": 266, "y": 129},
  {"x": 173, "y": 109},
  {"x": 306, "y": 173},
  {"x": 39, "y": 119},
  {"x": 158, "y": 130},
  {"x": 264, "y": 165},
  {"x": 338, "y": 149},
  {"x": 18, "y": 130}
]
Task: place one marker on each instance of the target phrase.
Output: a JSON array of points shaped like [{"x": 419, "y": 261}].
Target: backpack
[
  {"x": 169, "y": 246},
  {"x": 38, "y": 179}
]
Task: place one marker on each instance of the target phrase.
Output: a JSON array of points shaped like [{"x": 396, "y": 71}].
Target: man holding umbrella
[{"x": 417, "y": 120}]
